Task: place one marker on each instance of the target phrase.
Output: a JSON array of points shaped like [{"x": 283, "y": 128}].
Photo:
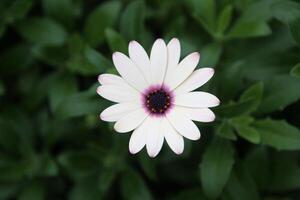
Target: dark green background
[{"x": 53, "y": 145}]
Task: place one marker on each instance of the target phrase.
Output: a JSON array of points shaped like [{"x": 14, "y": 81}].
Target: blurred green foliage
[{"x": 53, "y": 145}]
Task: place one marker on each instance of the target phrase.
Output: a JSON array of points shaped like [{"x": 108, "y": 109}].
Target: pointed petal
[
  {"x": 130, "y": 121},
  {"x": 183, "y": 124},
  {"x": 139, "y": 56},
  {"x": 117, "y": 111},
  {"x": 174, "y": 139},
  {"x": 117, "y": 93},
  {"x": 197, "y": 99},
  {"x": 138, "y": 138},
  {"x": 173, "y": 48},
  {"x": 158, "y": 60},
  {"x": 110, "y": 79},
  {"x": 198, "y": 114},
  {"x": 129, "y": 71},
  {"x": 155, "y": 136},
  {"x": 195, "y": 80},
  {"x": 183, "y": 70}
]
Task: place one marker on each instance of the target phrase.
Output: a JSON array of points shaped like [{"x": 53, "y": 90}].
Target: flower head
[{"x": 155, "y": 98}]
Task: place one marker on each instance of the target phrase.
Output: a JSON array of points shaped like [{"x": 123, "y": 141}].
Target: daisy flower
[{"x": 154, "y": 96}]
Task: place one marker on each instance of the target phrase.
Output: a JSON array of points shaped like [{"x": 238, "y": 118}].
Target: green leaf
[
  {"x": 226, "y": 131},
  {"x": 278, "y": 134},
  {"x": 241, "y": 185},
  {"x": 296, "y": 71},
  {"x": 244, "y": 29},
  {"x": 132, "y": 20},
  {"x": 115, "y": 41},
  {"x": 249, "y": 133},
  {"x": 285, "y": 173},
  {"x": 42, "y": 31},
  {"x": 286, "y": 10},
  {"x": 16, "y": 10},
  {"x": 295, "y": 29},
  {"x": 78, "y": 164},
  {"x": 133, "y": 186},
  {"x": 210, "y": 55},
  {"x": 84, "y": 59},
  {"x": 102, "y": 17},
  {"x": 62, "y": 11},
  {"x": 63, "y": 87},
  {"x": 215, "y": 167},
  {"x": 259, "y": 164},
  {"x": 85, "y": 189},
  {"x": 224, "y": 19},
  {"x": 205, "y": 11},
  {"x": 248, "y": 102},
  {"x": 34, "y": 191},
  {"x": 280, "y": 91}
]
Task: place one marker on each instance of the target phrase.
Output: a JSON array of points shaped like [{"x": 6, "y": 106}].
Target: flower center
[{"x": 157, "y": 101}]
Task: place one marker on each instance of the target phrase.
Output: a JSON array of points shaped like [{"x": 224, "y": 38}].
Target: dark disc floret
[{"x": 158, "y": 101}]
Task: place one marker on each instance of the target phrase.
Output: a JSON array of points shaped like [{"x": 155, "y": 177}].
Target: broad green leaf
[
  {"x": 278, "y": 134},
  {"x": 285, "y": 173},
  {"x": 242, "y": 125},
  {"x": 102, "y": 17},
  {"x": 244, "y": 29},
  {"x": 42, "y": 31},
  {"x": 215, "y": 167},
  {"x": 205, "y": 11},
  {"x": 16, "y": 10},
  {"x": 106, "y": 179},
  {"x": 133, "y": 186},
  {"x": 226, "y": 131},
  {"x": 55, "y": 56},
  {"x": 241, "y": 185},
  {"x": 115, "y": 41},
  {"x": 8, "y": 190},
  {"x": 295, "y": 29},
  {"x": 132, "y": 20},
  {"x": 86, "y": 189},
  {"x": 248, "y": 102},
  {"x": 286, "y": 10},
  {"x": 34, "y": 191},
  {"x": 78, "y": 164},
  {"x": 296, "y": 71},
  {"x": 84, "y": 59},
  {"x": 210, "y": 55},
  {"x": 62, "y": 11},
  {"x": 224, "y": 19},
  {"x": 279, "y": 92},
  {"x": 63, "y": 87},
  {"x": 259, "y": 164}
]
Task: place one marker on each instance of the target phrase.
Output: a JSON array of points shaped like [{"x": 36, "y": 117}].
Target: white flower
[{"x": 154, "y": 96}]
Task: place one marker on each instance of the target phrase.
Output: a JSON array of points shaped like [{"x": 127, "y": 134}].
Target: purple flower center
[{"x": 157, "y": 100}]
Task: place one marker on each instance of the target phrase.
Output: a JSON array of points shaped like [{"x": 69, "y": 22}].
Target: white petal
[
  {"x": 158, "y": 60},
  {"x": 117, "y": 93},
  {"x": 174, "y": 139},
  {"x": 130, "y": 121},
  {"x": 183, "y": 70},
  {"x": 110, "y": 79},
  {"x": 155, "y": 136},
  {"x": 173, "y": 48},
  {"x": 195, "y": 80},
  {"x": 129, "y": 71},
  {"x": 117, "y": 111},
  {"x": 138, "y": 138},
  {"x": 197, "y": 99},
  {"x": 198, "y": 114},
  {"x": 139, "y": 56},
  {"x": 181, "y": 122}
]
